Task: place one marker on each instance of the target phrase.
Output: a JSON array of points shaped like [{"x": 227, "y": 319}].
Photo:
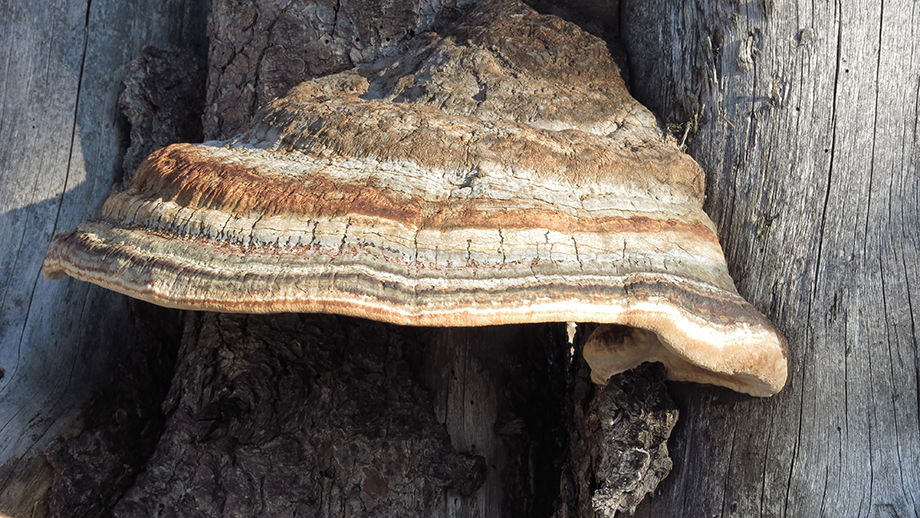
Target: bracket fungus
[{"x": 469, "y": 181}]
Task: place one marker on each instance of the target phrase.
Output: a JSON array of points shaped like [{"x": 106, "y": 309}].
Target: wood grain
[
  {"x": 60, "y": 151},
  {"x": 804, "y": 117}
]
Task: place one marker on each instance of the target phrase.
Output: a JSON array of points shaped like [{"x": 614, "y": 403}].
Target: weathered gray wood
[
  {"x": 808, "y": 131},
  {"x": 60, "y": 153}
]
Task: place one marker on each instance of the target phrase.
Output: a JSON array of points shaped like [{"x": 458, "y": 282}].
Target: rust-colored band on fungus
[{"x": 466, "y": 182}]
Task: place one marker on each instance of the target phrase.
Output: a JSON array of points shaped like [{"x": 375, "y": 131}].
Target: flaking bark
[{"x": 618, "y": 442}]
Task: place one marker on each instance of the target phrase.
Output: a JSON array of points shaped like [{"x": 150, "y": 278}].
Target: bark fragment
[{"x": 618, "y": 443}]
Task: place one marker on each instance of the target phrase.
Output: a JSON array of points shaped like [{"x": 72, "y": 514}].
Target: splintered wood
[{"x": 496, "y": 173}]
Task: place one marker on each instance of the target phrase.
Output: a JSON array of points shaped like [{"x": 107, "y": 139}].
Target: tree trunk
[{"x": 804, "y": 117}]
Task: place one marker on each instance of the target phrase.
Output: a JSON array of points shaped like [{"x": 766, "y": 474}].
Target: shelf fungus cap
[{"x": 496, "y": 173}]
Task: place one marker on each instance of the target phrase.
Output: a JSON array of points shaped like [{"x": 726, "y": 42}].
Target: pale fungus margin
[{"x": 462, "y": 183}]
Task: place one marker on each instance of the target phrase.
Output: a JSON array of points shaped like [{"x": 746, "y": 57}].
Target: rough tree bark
[{"x": 261, "y": 48}]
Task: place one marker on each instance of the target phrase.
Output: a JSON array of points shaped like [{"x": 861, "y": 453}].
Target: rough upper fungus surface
[{"x": 497, "y": 172}]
